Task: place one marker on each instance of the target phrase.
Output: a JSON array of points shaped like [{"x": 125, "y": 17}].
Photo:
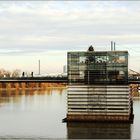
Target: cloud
[{"x": 35, "y": 27}]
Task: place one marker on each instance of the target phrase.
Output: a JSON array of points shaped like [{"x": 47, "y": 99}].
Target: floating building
[{"x": 98, "y": 86}]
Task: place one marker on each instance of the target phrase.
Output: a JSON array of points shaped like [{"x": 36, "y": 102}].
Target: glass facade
[{"x": 91, "y": 67}]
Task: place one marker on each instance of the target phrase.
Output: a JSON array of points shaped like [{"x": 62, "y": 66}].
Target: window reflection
[{"x": 98, "y": 67}]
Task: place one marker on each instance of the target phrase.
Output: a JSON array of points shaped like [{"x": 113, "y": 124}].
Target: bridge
[
  {"x": 132, "y": 80},
  {"x": 35, "y": 79},
  {"x": 134, "y": 77},
  {"x": 32, "y": 82}
]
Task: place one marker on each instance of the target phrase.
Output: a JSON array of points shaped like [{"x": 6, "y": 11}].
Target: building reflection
[{"x": 79, "y": 130}]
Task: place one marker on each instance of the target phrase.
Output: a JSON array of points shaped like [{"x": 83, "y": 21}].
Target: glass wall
[{"x": 98, "y": 67}]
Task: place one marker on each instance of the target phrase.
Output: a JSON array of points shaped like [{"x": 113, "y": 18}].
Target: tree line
[{"x": 7, "y": 73}]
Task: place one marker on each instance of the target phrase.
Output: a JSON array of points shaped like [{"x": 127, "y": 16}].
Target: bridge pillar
[
  {"x": 134, "y": 90},
  {"x": 17, "y": 86},
  {"x": 8, "y": 85},
  {"x": 23, "y": 85},
  {"x": 0, "y": 85}
]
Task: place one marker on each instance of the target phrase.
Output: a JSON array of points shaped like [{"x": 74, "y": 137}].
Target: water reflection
[
  {"x": 32, "y": 113},
  {"x": 79, "y": 130},
  {"x": 38, "y": 114},
  {"x": 31, "y": 99},
  {"x": 18, "y": 92}
]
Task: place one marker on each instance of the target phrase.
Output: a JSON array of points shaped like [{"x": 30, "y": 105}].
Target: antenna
[
  {"x": 39, "y": 67},
  {"x": 111, "y": 45},
  {"x": 114, "y": 46}
]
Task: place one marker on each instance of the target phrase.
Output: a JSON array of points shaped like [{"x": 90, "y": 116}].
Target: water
[{"x": 38, "y": 114}]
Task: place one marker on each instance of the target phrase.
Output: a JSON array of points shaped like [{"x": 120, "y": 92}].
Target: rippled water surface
[{"x": 38, "y": 114}]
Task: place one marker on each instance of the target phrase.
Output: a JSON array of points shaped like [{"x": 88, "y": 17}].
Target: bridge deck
[
  {"x": 36, "y": 79},
  {"x": 51, "y": 80}
]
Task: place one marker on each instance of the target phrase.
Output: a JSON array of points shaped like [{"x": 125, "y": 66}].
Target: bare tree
[
  {"x": 7, "y": 74},
  {"x": 2, "y": 72},
  {"x": 16, "y": 73}
]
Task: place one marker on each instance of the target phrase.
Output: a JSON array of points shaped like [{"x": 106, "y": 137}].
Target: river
[{"x": 38, "y": 114}]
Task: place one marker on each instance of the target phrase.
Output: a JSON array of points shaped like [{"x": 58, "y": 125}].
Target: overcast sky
[{"x": 46, "y": 30}]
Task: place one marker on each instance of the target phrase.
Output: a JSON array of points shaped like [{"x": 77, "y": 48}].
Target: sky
[{"x": 47, "y": 30}]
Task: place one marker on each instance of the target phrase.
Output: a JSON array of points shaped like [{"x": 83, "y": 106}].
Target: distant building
[
  {"x": 65, "y": 69},
  {"x": 98, "y": 86}
]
